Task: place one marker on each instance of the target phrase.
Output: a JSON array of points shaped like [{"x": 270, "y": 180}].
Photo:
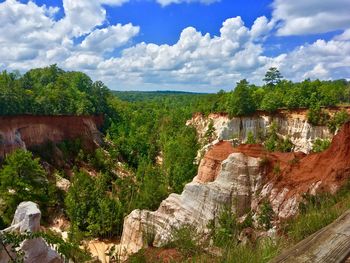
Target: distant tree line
[{"x": 277, "y": 93}]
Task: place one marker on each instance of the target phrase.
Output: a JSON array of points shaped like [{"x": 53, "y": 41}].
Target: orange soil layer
[{"x": 298, "y": 172}]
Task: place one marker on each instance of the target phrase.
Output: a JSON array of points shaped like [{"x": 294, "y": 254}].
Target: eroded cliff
[
  {"x": 26, "y": 131},
  {"x": 291, "y": 124},
  {"x": 241, "y": 178}
]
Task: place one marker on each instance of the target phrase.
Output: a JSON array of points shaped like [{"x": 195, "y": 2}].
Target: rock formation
[
  {"x": 241, "y": 178},
  {"x": 26, "y": 131},
  {"x": 292, "y": 124},
  {"x": 27, "y": 219}
]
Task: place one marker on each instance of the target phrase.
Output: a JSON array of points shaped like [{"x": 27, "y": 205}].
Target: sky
[{"x": 189, "y": 45}]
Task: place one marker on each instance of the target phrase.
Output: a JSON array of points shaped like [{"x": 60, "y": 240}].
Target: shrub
[
  {"x": 250, "y": 138},
  {"x": 317, "y": 116},
  {"x": 266, "y": 215},
  {"x": 285, "y": 145},
  {"x": 338, "y": 120},
  {"x": 320, "y": 145},
  {"x": 227, "y": 228},
  {"x": 22, "y": 178}
]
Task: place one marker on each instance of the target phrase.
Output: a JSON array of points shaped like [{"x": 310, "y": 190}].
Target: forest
[{"x": 140, "y": 129}]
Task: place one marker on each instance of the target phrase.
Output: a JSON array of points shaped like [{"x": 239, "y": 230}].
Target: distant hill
[{"x": 152, "y": 95}]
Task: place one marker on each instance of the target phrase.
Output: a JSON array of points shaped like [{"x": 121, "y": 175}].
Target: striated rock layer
[
  {"x": 27, "y": 219},
  {"x": 26, "y": 131},
  {"x": 290, "y": 123},
  {"x": 241, "y": 178}
]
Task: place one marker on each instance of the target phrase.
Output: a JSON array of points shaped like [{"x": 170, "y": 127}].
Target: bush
[
  {"x": 227, "y": 228},
  {"x": 22, "y": 179},
  {"x": 338, "y": 120},
  {"x": 320, "y": 145},
  {"x": 250, "y": 138},
  {"x": 266, "y": 215},
  {"x": 316, "y": 116}
]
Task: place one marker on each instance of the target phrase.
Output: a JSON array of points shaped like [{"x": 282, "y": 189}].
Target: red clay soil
[
  {"x": 298, "y": 172},
  {"x": 210, "y": 165}
]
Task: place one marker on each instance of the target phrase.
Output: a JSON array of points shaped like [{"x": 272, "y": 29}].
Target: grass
[{"x": 317, "y": 212}]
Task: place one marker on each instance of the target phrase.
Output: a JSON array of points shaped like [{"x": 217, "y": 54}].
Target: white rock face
[
  {"x": 295, "y": 126},
  {"x": 27, "y": 218},
  {"x": 199, "y": 203}
]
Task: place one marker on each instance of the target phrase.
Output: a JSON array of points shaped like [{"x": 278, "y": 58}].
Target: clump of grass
[
  {"x": 187, "y": 240},
  {"x": 317, "y": 212},
  {"x": 259, "y": 252}
]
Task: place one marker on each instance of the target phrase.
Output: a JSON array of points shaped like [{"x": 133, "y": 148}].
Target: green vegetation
[
  {"x": 21, "y": 179},
  {"x": 338, "y": 120},
  {"x": 51, "y": 90},
  {"x": 317, "y": 212},
  {"x": 320, "y": 145},
  {"x": 274, "y": 143}
]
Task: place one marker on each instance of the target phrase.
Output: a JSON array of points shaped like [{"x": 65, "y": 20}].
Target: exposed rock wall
[
  {"x": 26, "y": 131},
  {"x": 27, "y": 219},
  {"x": 291, "y": 124},
  {"x": 241, "y": 178}
]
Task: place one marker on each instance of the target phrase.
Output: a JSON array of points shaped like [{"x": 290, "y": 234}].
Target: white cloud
[
  {"x": 297, "y": 17},
  {"x": 30, "y": 36},
  {"x": 168, "y": 2},
  {"x": 114, "y": 2},
  {"x": 110, "y": 38},
  {"x": 196, "y": 59},
  {"x": 321, "y": 59}
]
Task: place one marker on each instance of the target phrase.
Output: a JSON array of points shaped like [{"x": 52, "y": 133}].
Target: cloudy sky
[{"x": 192, "y": 45}]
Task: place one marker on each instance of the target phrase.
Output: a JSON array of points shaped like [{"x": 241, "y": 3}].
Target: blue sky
[{"x": 192, "y": 45}]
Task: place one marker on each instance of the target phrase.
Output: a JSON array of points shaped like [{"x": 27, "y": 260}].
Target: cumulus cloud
[
  {"x": 110, "y": 38},
  {"x": 321, "y": 59},
  {"x": 30, "y": 36},
  {"x": 297, "y": 17},
  {"x": 168, "y": 2},
  {"x": 196, "y": 58}
]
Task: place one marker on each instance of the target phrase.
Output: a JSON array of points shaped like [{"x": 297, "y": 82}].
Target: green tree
[
  {"x": 272, "y": 76},
  {"x": 241, "y": 101},
  {"x": 21, "y": 179}
]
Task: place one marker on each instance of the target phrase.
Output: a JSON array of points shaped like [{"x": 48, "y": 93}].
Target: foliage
[
  {"x": 51, "y": 90},
  {"x": 21, "y": 179},
  {"x": 320, "y": 145},
  {"x": 241, "y": 101},
  {"x": 274, "y": 143},
  {"x": 250, "y": 138},
  {"x": 338, "y": 120},
  {"x": 210, "y": 132},
  {"x": 225, "y": 229},
  {"x": 266, "y": 215},
  {"x": 272, "y": 138},
  {"x": 272, "y": 76},
  {"x": 187, "y": 240},
  {"x": 91, "y": 209},
  {"x": 317, "y": 116},
  {"x": 316, "y": 212}
]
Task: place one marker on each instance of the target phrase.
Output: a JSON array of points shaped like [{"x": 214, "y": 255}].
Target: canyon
[
  {"x": 244, "y": 177},
  {"x": 26, "y": 131}
]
